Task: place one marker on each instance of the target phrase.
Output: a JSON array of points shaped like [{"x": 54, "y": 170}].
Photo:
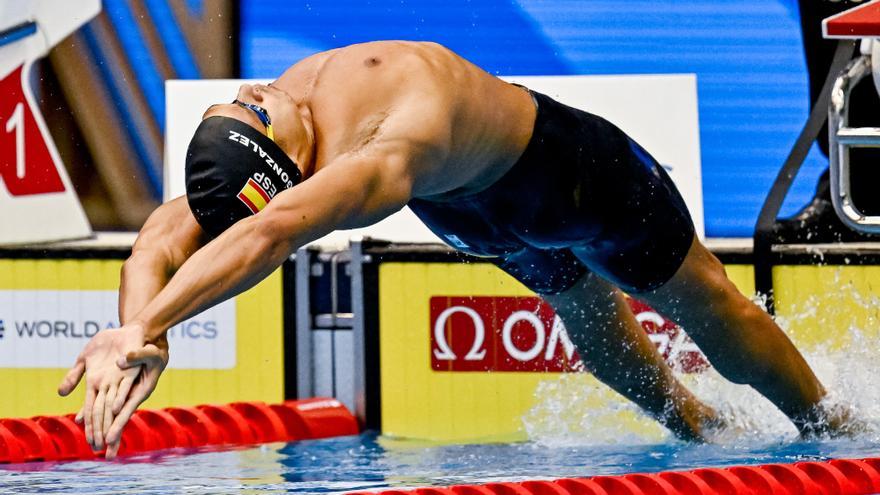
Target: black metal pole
[{"x": 763, "y": 239}]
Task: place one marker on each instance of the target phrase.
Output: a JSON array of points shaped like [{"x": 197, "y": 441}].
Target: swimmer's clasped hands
[{"x": 121, "y": 370}]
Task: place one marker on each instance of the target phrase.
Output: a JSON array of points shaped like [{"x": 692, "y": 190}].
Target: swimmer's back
[{"x": 473, "y": 125}]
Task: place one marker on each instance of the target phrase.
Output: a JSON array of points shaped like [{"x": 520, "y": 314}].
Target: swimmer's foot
[
  {"x": 836, "y": 421},
  {"x": 728, "y": 429},
  {"x": 693, "y": 422}
]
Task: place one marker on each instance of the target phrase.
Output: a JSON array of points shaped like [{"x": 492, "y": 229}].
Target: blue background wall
[{"x": 747, "y": 54}]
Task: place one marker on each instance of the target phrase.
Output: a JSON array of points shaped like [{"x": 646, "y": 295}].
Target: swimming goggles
[{"x": 261, "y": 114}]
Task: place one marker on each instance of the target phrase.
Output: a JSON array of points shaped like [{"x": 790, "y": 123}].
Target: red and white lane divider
[
  {"x": 52, "y": 438},
  {"x": 837, "y": 477}
]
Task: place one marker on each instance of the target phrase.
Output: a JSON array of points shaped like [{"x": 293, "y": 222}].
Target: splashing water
[{"x": 576, "y": 410}]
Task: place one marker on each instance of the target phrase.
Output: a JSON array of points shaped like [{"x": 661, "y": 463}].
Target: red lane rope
[
  {"x": 836, "y": 477},
  {"x": 50, "y": 438}
]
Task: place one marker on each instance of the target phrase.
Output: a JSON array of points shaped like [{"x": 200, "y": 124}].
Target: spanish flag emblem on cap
[{"x": 253, "y": 196}]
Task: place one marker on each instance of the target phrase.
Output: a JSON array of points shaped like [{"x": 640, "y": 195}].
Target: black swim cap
[{"x": 232, "y": 172}]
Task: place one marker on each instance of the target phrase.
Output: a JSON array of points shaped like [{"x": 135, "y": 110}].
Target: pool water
[{"x": 370, "y": 462}]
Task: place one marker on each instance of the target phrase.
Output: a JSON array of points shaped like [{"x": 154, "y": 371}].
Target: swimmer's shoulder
[
  {"x": 389, "y": 62},
  {"x": 392, "y": 54},
  {"x": 304, "y": 72},
  {"x": 399, "y": 49}
]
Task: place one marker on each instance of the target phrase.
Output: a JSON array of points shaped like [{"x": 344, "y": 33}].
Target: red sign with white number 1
[{"x": 26, "y": 166}]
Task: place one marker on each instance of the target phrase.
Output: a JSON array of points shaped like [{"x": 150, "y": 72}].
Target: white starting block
[
  {"x": 863, "y": 23},
  {"x": 37, "y": 201}
]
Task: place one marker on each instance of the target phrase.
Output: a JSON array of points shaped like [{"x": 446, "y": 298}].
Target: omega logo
[{"x": 558, "y": 335}]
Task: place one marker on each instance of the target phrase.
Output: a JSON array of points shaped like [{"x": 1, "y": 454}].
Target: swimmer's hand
[
  {"x": 122, "y": 371},
  {"x": 150, "y": 360}
]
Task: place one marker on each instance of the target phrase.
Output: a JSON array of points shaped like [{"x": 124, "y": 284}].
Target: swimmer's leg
[
  {"x": 616, "y": 349},
  {"x": 741, "y": 340}
]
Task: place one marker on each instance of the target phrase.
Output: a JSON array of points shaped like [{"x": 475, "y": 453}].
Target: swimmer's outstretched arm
[
  {"x": 168, "y": 238},
  {"x": 352, "y": 191}
]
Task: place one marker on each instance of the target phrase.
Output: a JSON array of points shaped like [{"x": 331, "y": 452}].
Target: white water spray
[{"x": 574, "y": 409}]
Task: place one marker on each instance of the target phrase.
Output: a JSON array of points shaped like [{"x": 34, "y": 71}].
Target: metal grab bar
[{"x": 841, "y": 139}]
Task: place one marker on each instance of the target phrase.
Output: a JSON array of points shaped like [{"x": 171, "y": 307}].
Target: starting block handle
[{"x": 841, "y": 139}]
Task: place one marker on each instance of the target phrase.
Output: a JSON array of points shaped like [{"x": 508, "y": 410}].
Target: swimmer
[{"x": 559, "y": 198}]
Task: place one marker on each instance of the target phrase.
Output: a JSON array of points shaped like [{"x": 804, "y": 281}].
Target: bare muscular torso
[{"x": 472, "y": 125}]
